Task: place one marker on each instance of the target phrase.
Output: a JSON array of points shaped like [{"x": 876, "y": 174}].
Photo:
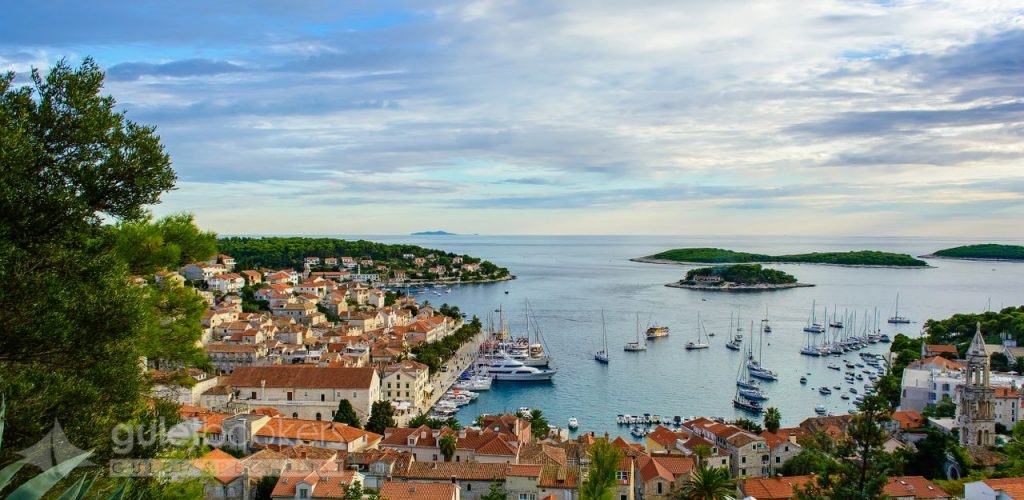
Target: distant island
[
  {"x": 433, "y": 233},
  {"x": 737, "y": 278},
  {"x": 986, "y": 251},
  {"x": 867, "y": 258}
]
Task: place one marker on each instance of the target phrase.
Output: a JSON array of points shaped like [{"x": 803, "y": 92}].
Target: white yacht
[
  {"x": 506, "y": 368},
  {"x": 640, "y": 344},
  {"x": 573, "y": 423}
]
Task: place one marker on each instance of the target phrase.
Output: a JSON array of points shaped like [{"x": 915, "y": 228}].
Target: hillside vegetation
[
  {"x": 280, "y": 252},
  {"x": 856, "y": 258},
  {"x": 742, "y": 274},
  {"x": 983, "y": 251}
]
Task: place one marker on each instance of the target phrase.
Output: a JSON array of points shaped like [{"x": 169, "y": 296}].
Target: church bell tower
[{"x": 976, "y": 409}]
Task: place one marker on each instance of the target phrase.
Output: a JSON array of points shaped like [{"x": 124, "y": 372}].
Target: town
[{"x": 291, "y": 395}]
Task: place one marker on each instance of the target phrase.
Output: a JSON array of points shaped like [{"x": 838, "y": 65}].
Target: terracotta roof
[
  {"x": 326, "y": 484},
  {"x": 398, "y": 436},
  {"x": 557, "y": 476},
  {"x": 1012, "y": 487},
  {"x": 940, "y": 348},
  {"x": 774, "y": 488},
  {"x": 212, "y": 422},
  {"x": 225, "y": 468},
  {"x": 543, "y": 454},
  {"x": 913, "y": 486},
  {"x": 302, "y": 376},
  {"x": 231, "y": 348},
  {"x": 313, "y": 430},
  {"x": 651, "y": 469},
  {"x": 524, "y": 470},
  {"x": 466, "y": 471},
  {"x": 664, "y": 436},
  {"x": 418, "y": 491},
  {"x": 1006, "y": 392},
  {"x": 908, "y": 419},
  {"x": 675, "y": 464},
  {"x": 938, "y": 360}
]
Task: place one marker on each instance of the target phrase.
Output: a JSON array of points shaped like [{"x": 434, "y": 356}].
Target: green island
[
  {"x": 279, "y": 252},
  {"x": 985, "y": 251},
  {"x": 737, "y": 278},
  {"x": 721, "y": 256}
]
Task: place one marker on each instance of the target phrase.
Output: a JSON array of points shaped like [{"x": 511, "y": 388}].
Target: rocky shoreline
[
  {"x": 647, "y": 260},
  {"x": 734, "y": 287},
  {"x": 977, "y": 259}
]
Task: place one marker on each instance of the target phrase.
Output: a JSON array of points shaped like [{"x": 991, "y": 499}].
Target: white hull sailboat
[
  {"x": 702, "y": 337},
  {"x": 602, "y": 355},
  {"x": 640, "y": 344},
  {"x": 896, "y": 318}
]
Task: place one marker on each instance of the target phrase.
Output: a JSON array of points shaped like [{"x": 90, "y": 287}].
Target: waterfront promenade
[{"x": 443, "y": 380}]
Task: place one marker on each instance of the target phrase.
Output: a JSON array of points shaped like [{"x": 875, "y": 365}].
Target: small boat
[
  {"x": 573, "y": 423},
  {"x": 820, "y": 409},
  {"x": 748, "y": 384},
  {"x": 654, "y": 332},
  {"x": 853, "y": 390},
  {"x": 803, "y": 380},
  {"x": 833, "y": 366},
  {"x": 747, "y": 405},
  {"x": 733, "y": 344},
  {"x": 883, "y": 338},
  {"x": 844, "y": 396},
  {"x": 836, "y": 387},
  {"x": 825, "y": 391},
  {"x": 753, "y": 394},
  {"x": 602, "y": 355}
]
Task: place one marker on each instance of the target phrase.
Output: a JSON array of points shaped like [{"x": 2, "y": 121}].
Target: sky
[{"x": 891, "y": 118}]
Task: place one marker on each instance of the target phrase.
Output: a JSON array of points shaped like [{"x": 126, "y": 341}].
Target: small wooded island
[
  {"x": 867, "y": 258},
  {"x": 986, "y": 251},
  {"x": 737, "y": 278}
]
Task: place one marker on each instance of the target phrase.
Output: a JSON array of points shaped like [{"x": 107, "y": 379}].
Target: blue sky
[{"x": 727, "y": 117}]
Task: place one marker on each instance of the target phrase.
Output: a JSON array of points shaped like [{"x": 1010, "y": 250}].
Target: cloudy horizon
[{"x": 889, "y": 118}]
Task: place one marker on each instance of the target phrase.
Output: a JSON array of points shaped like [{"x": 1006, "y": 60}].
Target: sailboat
[
  {"x": 701, "y": 333},
  {"x": 765, "y": 327},
  {"x": 812, "y": 325},
  {"x": 897, "y": 319},
  {"x": 748, "y": 395},
  {"x": 754, "y": 366},
  {"x": 602, "y": 355},
  {"x": 640, "y": 344}
]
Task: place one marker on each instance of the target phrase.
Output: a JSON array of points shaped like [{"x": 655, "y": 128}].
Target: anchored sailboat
[{"x": 602, "y": 355}]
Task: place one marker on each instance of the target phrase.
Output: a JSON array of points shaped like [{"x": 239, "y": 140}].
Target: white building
[{"x": 306, "y": 391}]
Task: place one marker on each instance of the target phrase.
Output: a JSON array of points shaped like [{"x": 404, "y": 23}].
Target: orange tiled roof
[
  {"x": 313, "y": 430},
  {"x": 466, "y": 471},
  {"x": 301, "y": 376},
  {"x": 326, "y": 484},
  {"x": 1013, "y": 487},
  {"x": 773, "y": 488},
  {"x": 220, "y": 465},
  {"x": 418, "y": 491},
  {"x": 908, "y": 419},
  {"x": 912, "y": 486}
]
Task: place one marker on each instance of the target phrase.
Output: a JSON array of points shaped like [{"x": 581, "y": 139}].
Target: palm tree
[
  {"x": 539, "y": 426},
  {"x": 604, "y": 464},
  {"x": 447, "y": 443},
  {"x": 708, "y": 483},
  {"x": 702, "y": 452},
  {"x": 772, "y": 419}
]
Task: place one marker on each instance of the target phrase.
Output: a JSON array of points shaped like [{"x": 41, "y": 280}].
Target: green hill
[
  {"x": 743, "y": 274},
  {"x": 983, "y": 251},
  {"x": 858, "y": 258}
]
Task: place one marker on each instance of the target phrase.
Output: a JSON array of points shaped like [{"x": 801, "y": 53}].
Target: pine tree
[{"x": 346, "y": 414}]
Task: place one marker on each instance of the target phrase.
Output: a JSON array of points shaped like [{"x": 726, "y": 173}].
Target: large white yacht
[{"x": 506, "y": 368}]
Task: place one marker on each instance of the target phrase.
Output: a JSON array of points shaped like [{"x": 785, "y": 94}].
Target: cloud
[{"x": 174, "y": 69}]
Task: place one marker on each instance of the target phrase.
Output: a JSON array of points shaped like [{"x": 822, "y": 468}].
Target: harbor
[{"x": 571, "y": 282}]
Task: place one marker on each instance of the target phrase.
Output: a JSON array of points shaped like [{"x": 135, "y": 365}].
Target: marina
[{"x": 569, "y": 281}]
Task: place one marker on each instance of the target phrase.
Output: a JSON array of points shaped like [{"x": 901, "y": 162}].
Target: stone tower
[{"x": 976, "y": 410}]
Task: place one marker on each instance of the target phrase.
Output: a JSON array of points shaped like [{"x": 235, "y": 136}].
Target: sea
[{"x": 569, "y": 282}]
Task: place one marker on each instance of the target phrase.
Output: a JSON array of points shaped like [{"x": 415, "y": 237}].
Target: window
[
  {"x": 406, "y": 385},
  {"x": 323, "y": 397},
  {"x": 303, "y": 493},
  {"x": 253, "y": 395},
  {"x": 621, "y": 475},
  {"x": 353, "y": 394},
  {"x": 469, "y": 487},
  {"x": 389, "y": 385},
  {"x": 778, "y": 460},
  {"x": 435, "y": 457},
  {"x": 318, "y": 415},
  {"x": 295, "y": 415},
  {"x": 786, "y": 448},
  {"x": 659, "y": 487},
  {"x": 743, "y": 460}
]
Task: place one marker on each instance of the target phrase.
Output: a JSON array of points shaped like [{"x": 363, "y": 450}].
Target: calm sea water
[{"x": 570, "y": 280}]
